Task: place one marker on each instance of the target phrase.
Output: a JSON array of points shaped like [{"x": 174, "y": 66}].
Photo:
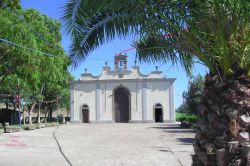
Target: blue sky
[{"x": 106, "y": 52}]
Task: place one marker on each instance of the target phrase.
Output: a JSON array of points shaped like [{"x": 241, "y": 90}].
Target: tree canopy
[
  {"x": 31, "y": 54},
  {"x": 193, "y": 96}
]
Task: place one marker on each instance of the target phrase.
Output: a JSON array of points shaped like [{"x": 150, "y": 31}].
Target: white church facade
[{"x": 122, "y": 96}]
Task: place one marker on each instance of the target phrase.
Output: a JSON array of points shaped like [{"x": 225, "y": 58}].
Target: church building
[{"x": 122, "y": 96}]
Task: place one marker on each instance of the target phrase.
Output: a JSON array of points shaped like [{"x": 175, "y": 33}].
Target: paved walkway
[{"x": 99, "y": 145}]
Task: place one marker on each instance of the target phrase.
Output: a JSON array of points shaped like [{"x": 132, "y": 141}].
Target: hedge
[{"x": 181, "y": 117}]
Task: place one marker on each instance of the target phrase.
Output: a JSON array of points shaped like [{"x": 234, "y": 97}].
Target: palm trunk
[{"x": 224, "y": 123}]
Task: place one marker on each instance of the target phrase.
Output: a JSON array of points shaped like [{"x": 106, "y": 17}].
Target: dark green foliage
[
  {"x": 191, "y": 118},
  {"x": 186, "y": 112},
  {"x": 194, "y": 94},
  {"x": 192, "y": 98},
  {"x": 181, "y": 117},
  {"x": 40, "y": 77},
  {"x": 10, "y": 4},
  {"x": 183, "y": 108}
]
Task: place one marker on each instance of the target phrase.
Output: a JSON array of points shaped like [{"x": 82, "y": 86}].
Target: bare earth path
[{"x": 99, "y": 145}]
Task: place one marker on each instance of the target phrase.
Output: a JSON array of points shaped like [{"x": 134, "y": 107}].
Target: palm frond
[
  {"x": 156, "y": 47},
  {"x": 100, "y": 22},
  {"x": 91, "y": 23},
  {"x": 217, "y": 30},
  {"x": 69, "y": 19}
]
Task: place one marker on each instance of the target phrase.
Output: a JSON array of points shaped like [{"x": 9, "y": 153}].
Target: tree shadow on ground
[
  {"x": 180, "y": 131},
  {"x": 173, "y": 129},
  {"x": 166, "y": 127},
  {"x": 177, "y": 131},
  {"x": 187, "y": 141}
]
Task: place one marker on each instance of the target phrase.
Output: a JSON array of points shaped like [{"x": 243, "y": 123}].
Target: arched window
[
  {"x": 85, "y": 106},
  {"x": 158, "y": 105}
]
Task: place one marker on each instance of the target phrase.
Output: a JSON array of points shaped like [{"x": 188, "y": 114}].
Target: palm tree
[{"x": 213, "y": 32}]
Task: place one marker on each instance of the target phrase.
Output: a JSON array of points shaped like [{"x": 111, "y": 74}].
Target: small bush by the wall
[
  {"x": 191, "y": 118},
  {"x": 187, "y": 121},
  {"x": 180, "y": 116}
]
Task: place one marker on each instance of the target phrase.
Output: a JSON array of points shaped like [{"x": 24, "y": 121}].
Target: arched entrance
[
  {"x": 158, "y": 113},
  {"x": 85, "y": 113},
  {"x": 121, "y": 105}
]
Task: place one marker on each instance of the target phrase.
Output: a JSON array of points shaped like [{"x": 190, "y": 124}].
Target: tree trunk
[
  {"x": 45, "y": 114},
  {"x": 39, "y": 106},
  {"x": 220, "y": 140},
  {"x": 7, "y": 105},
  {"x": 30, "y": 112},
  {"x": 38, "y": 113},
  {"x": 50, "y": 114},
  {"x": 30, "y": 118},
  {"x": 25, "y": 109},
  {"x": 13, "y": 113},
  {"x": 24, "y": 118}
]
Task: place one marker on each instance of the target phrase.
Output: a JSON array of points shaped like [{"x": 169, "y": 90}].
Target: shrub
[
  {"x": 191, "y": 118},
  {"x": 180, "y": 116}
]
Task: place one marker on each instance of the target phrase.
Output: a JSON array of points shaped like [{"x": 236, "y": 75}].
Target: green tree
[
  {"x": 10, "y": 5},
  {"x": 25, "y": 34},
  {"x": 51, "y": 77},
  {"x": 194, "y": 94},
  {"x": 56, "y": 83},
  {"x": 14, "y": 60},
  {"x": 216, "y": 33},
  {"x": 17, "y": 64}
]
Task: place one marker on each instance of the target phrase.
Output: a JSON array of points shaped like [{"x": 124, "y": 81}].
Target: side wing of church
[{"x": 122, "y": 96}]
